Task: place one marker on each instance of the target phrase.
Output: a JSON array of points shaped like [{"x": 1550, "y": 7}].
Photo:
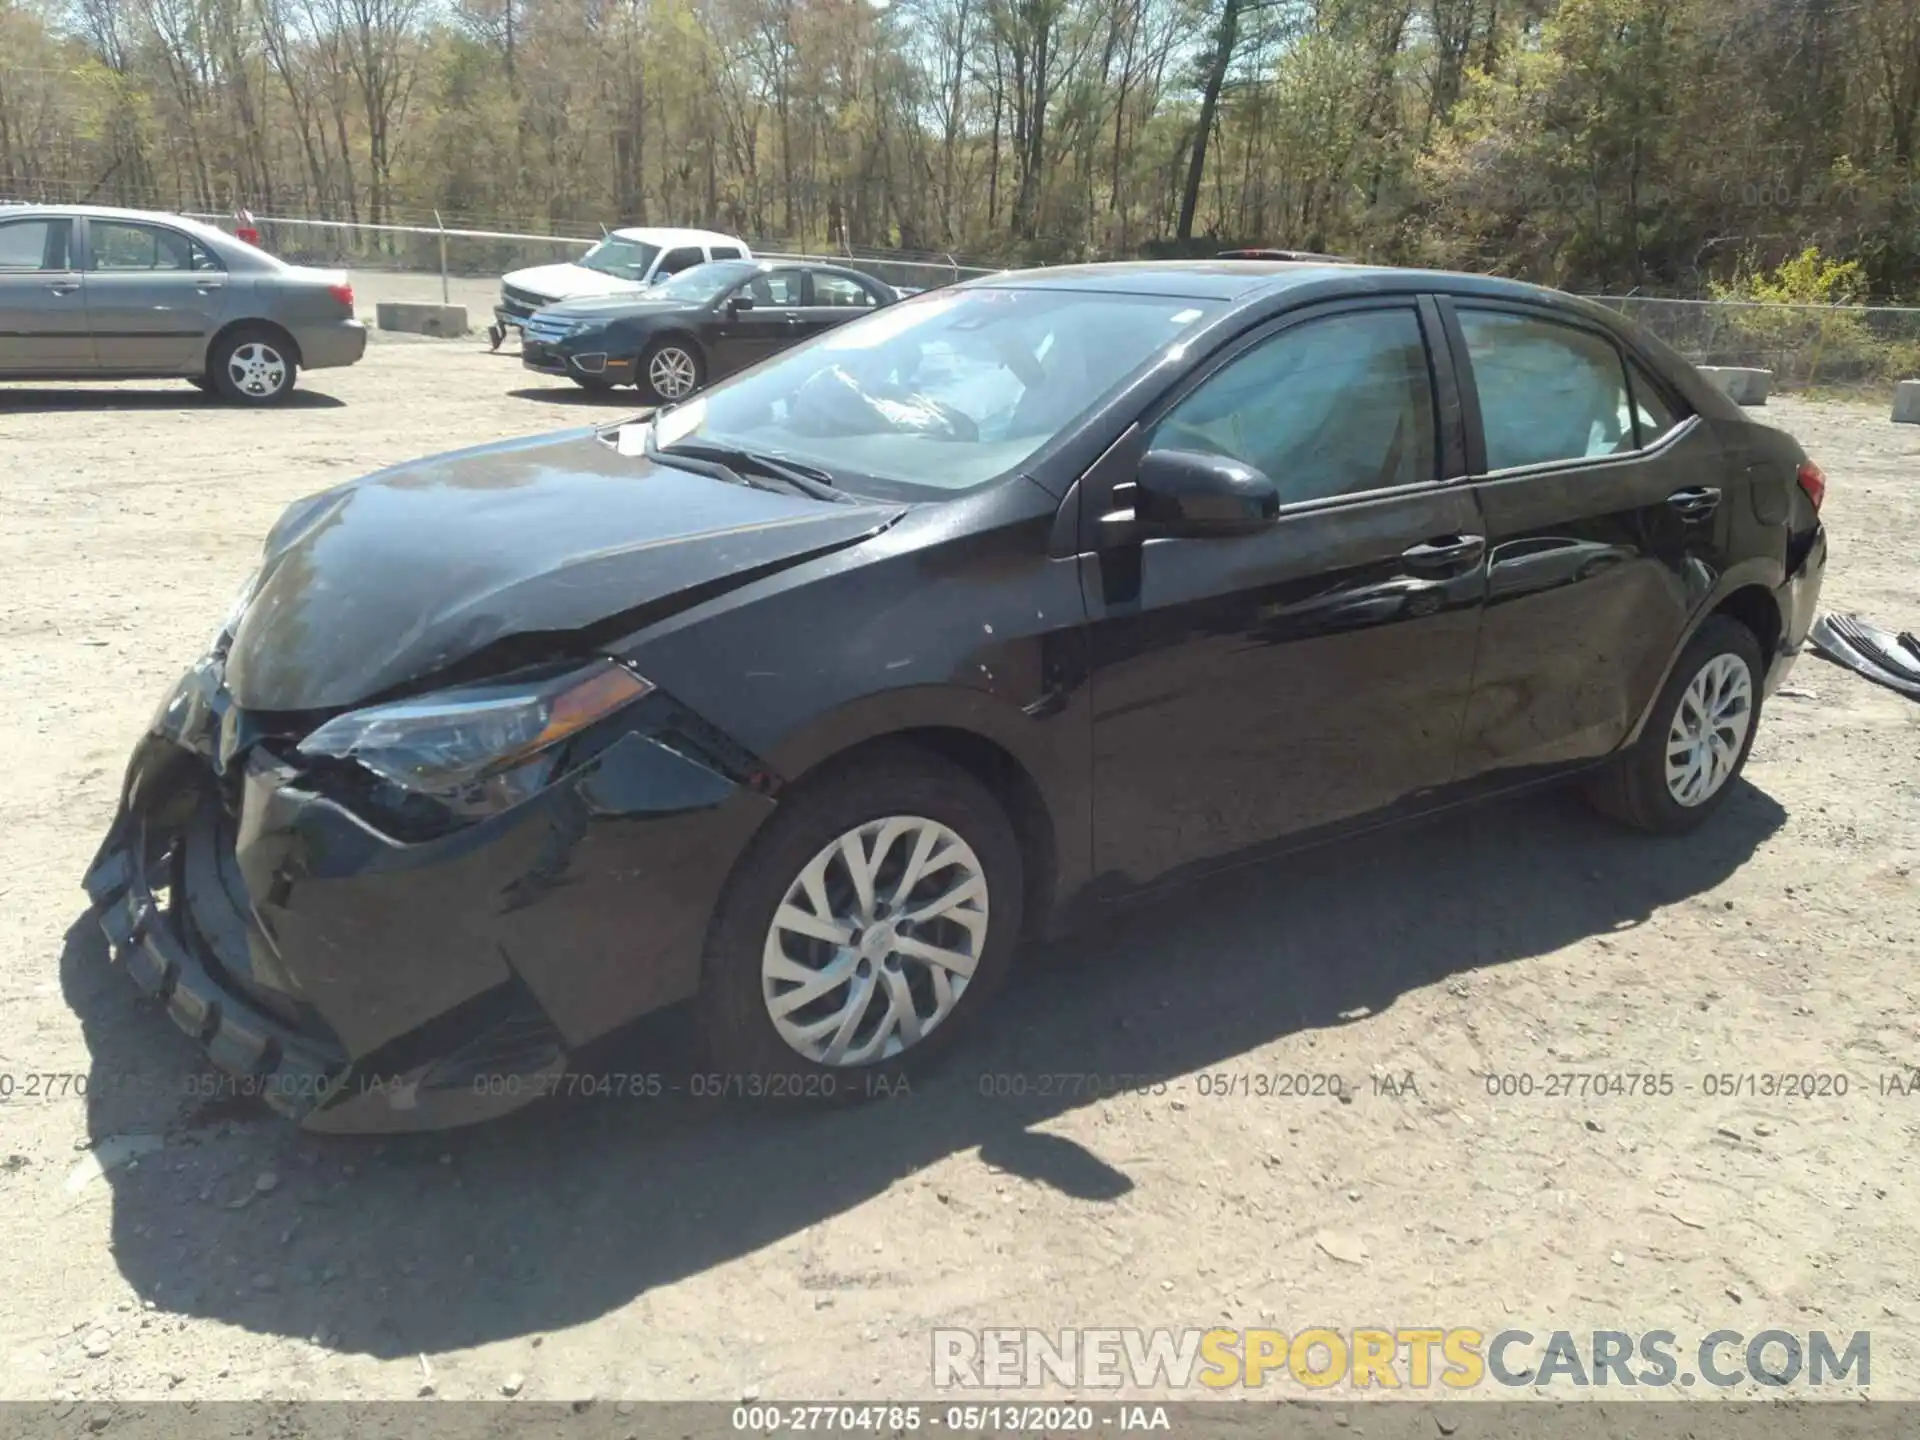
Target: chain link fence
[{"x": 1803, "y": 345}]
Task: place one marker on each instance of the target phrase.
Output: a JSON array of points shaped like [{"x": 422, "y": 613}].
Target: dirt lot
[{"x": 644, "y": 1249}]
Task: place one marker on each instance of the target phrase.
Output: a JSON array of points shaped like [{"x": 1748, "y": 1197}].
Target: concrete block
[
  {"x": 1906, "y": 403},
  {"x": 1739, "y": 384},
  {"x": 418, "y": 317}
]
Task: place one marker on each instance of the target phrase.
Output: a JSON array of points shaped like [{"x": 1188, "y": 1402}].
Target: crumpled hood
[
  {"x": 560, "y": 281},
  {"x": 401, "y": 574}
]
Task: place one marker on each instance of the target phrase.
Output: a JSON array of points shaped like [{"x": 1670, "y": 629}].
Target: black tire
[
  {"x": 747, "y": 1056},
  {"x": 1633, "y": 787},
  {"x": 202, "y": 383},
  {"x": 496, "y": 336},
  {"x": 252, "y": 365},
  {"x": 643, "y": 368}
]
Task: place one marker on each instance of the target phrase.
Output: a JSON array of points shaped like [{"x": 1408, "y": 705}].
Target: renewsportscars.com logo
[{"x": 1457, "y": 1358}]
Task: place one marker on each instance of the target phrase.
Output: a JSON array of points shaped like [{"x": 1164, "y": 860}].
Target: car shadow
[
  {"x": 563, "y": 1213},
  {"x": 35, "y": 401},
  {"x": 623, "y": 397}
]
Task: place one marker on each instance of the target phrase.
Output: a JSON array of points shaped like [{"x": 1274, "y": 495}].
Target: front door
[
  {"x": 770, "y": 324},
  {"x": 834, "y": 299},
  {"x": 1255, "y": 688},
  {"x": 154, "y": 297},
  {"x": 43, "y": 299},
  {"x": 1604, "y": 534}
]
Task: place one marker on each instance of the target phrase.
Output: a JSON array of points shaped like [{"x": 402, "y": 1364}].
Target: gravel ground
[{"x": 155, "y": 1242}]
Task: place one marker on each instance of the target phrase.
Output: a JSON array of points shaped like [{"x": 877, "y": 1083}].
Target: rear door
[
  {"x": 1255, "y": 688},
  {"x": 154, "y": 297},
  {"x": 43, "y": 301},
  {"x": 1604, "y": 531}
]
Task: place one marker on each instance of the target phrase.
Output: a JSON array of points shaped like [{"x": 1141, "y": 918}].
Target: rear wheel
[
  {"x": 1696, "y": 740},
  {"x": 670, "y": 369},
  {"x": 867, "y": 926},
  {"x": 252, "y": 366}
]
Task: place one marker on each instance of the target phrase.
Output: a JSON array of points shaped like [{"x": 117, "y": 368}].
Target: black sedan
[
  {"x": 700, "y": 326},
  {"x": 810, "y": 699}
]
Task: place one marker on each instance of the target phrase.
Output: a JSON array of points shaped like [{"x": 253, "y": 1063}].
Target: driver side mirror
[
  {"x": 737, "y": 303},
  {"x": 1194, "y": 495}
]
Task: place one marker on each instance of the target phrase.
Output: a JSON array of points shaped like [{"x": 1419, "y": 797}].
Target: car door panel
[
  {"x": 43, "y": 302},
  {"x": 1248, "y": 691},
  {"x": 740, "y": 338},
  {"x": 1274, "y": 684},
  {"x": 153, "y": 320},
  {"x": 1594, "y": 568}
]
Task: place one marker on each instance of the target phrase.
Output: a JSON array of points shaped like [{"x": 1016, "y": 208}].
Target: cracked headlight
[{"x": 478, "y": 748}]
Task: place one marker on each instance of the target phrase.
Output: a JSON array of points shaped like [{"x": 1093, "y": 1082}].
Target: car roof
[
  {"x": 112, "y": 212},
  {"x": 667, "y": 235},
  {"x": 1245, "y": 280}
]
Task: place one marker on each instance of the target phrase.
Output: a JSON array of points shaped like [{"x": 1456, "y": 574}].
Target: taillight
[
  {"x": 1813, "y": 482},
  {"x": 342, "y": 293}
]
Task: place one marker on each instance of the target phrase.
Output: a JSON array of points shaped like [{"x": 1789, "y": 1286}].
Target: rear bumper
[
  {"x": 359, "y": 982},
  {"x": 322, "y": 347},
  {"x": 1799, "y": 602}
]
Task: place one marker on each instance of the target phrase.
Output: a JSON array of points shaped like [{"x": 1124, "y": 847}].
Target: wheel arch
[
  {"x": 1744, "y": 595},
  {"x": 251, "y": 322}
]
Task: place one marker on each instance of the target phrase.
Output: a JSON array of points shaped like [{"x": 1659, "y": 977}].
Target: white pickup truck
[{"x": 625, "y": 261}]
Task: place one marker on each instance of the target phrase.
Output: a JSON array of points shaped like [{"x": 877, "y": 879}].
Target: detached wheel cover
[{"x": 875, "y": 941}]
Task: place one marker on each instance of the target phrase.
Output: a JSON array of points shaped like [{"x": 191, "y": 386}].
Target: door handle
[
  {"x": 1450, "y": 552},
  {"x": 63, "y": 287},
  {"x": 1696, "y": 503}
]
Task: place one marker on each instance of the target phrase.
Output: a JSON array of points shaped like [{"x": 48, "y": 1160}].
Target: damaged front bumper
[{"x": 356, "y": 980}]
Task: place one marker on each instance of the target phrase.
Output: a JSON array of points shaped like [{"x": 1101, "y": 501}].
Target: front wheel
[
  {"x": 866, "y": 927},
  {"x": 252, "y": 366},
  {"x": 1696, "y": 740},
  {"x": 670, "y": 370}
]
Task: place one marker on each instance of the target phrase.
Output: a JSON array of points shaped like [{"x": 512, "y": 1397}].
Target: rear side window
[
  {"x": 1548, "y": 392},
  {"x": 674, "y": 261},
  {"x": 1332, "y": 407},
  {"x": 1653, "y": 416},
  {"x": 840, "y": 292},
  {"x": 726, "y": 252},
  {"x": 117, "y": 245},
  {"x": 35, "y": 245}
]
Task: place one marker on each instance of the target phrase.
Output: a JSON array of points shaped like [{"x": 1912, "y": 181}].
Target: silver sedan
[{"x": 88, "y": 293}]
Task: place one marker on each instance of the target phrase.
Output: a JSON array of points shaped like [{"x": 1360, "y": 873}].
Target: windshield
[
  {"x": 626, "y": 259},
  {"x": 942, "y": 392},
  {"x": 702, "y": 282}
]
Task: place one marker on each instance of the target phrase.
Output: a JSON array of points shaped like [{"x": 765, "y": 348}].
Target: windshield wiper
[{"x": 809, "y": 480}]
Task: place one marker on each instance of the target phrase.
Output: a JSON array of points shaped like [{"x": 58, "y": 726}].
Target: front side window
[
  {"x": 943, "y": 392},
  {"x": 774, "y": 290},
  {"x": 116, "y": 245},
  {"x": 1548, "y": 392},
  {"x": 39, "y": 244},
  {"x": 699, "y": 284},
  {"x": 840, "y": 291},
  {"x": 1332, "y": 407},
  {"x": 623, "y": 259}
]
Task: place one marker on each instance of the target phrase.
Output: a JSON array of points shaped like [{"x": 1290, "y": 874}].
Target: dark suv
[{"x": 809, "y": 698}]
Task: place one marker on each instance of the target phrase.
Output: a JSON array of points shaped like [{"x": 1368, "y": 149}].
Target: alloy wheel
[
  {"x": 672, "y": 373},
  {"x": 1709, "y": 729},
  {"x": 257, "y": 369},
  {"x": 875, "y": 941}
]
